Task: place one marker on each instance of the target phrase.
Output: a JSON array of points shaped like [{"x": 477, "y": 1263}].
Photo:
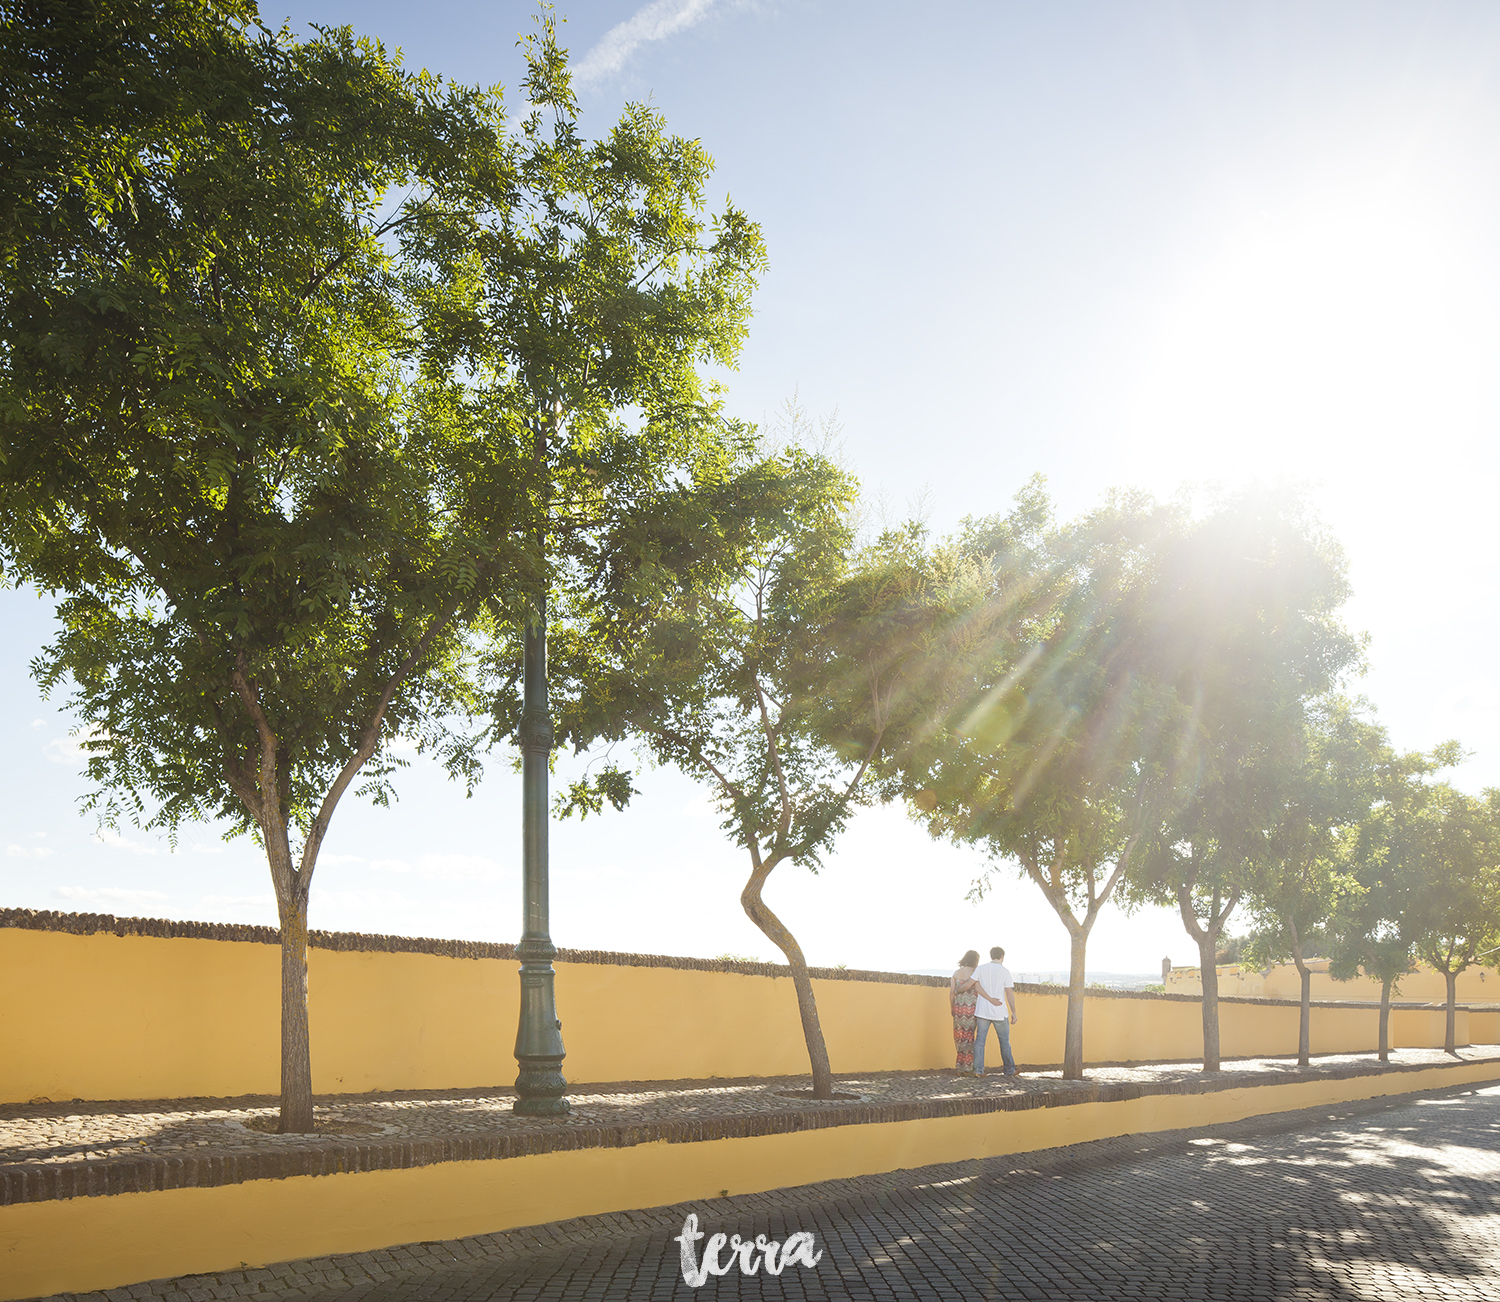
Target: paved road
[{"x": 1363, "y": 1202}]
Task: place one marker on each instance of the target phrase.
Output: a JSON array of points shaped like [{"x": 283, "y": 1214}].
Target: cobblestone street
[{"x": 1369, "y": 1201}]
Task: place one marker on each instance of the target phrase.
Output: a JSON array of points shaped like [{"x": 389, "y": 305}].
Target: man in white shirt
[{"x": 999, "y": 1010}]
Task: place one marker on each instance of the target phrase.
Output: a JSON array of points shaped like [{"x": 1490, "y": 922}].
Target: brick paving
[{"x": 1380, "y": 1200}]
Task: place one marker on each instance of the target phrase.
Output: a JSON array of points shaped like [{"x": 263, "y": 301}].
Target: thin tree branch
[{"x": 369, "y": 740}]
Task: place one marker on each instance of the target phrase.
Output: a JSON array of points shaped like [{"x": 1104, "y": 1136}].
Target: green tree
[
  {"x": 1375, "y": 918},
  {"x": 774, "y": 674},
  {"x": 595, "y": 297},
  {"x": 1054, "y": 753},
  {"x": 1457, "y": 903},
  {"x": 1328, "y": 797},
  {"x": 266, "y": 537},
  {"x": 1246, "y": 634}
]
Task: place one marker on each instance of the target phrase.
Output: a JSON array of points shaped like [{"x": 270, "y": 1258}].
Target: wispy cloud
[
  {"x": 117, "y": 842},
  {"x": 657, "y": 21},
  {"x": 444, "y": 867},
  {"x": 72, "y": 749},
  {"x": 700, "y": 808},
  {"x": 109, "y": 895},
  {"x": 439, "y": 867},
  {"x": 395, "y": 904},
  {"x": 220, "y": 903},
  {"x": 33, "y": 852}
]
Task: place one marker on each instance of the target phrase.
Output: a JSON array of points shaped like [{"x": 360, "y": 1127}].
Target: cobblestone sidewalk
[{"x": 60, "y": 1133}]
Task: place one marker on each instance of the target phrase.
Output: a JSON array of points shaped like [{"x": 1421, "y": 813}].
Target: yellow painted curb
[{"x": 82, "y": 1244}]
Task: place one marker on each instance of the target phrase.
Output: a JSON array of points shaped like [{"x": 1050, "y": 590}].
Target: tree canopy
[
  {"x": 1376, "y": 917},
  {"x": 1333, "y": 781},
  {"x": 1247, "y": 635}
]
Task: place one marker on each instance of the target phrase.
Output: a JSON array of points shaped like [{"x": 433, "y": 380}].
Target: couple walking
[{"x": 982, "y": 996}]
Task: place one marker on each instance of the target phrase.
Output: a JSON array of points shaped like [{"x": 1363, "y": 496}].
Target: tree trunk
[
  {"x": 1304, "y": 1027},
  {"x": 296, "y": 1053},
  {"x": 1385, "y": 1020},
  {"x": 807, "y": 1006},
  {"x": 1073, "y": 1036},
  {"x": 1207, "y": 954},
  {"x": 1448, "y": 1035}
]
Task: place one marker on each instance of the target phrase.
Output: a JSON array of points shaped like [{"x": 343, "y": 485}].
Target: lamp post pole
[{"x": 539, "y": 1045}]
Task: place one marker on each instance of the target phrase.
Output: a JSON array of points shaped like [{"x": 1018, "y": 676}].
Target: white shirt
[{"x": 994, "y": 979}]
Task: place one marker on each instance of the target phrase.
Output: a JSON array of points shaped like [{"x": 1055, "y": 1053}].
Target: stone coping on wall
[
  {"x": 70, "y": 1150},
  {"x": 90, "y": 924}
]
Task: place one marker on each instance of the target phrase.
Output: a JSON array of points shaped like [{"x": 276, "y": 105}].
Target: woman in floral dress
[{"x": 962, "y": 995}]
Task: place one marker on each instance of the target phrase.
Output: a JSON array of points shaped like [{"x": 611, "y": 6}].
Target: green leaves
[
  {"x": 1332, "y": 780},
  {"x": 214, "y": 440},
  {"x": 1454, "y": 901},
  {"x": 587, "y": 795},
  {"x": 710, "y": 602}
]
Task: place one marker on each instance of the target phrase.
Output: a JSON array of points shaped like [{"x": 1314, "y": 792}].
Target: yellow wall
[
  {"x": 1484, "y": 1026},
  {"x": 83, "y": 1244},
  {"x": 1475, "y": 985},
  {"x": 111, "y": 1017}
]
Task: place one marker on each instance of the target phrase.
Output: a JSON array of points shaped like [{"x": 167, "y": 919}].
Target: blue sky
[{"x": 1158, "y": 245}]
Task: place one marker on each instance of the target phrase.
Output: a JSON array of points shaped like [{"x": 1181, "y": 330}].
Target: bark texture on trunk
[
  {"x": 1304, "y": 1026},
  {"x": 1073, "y": 1035},
  {"x": 807, "y": 1006},
  {"x": 1207, "y": 939},
  {"x": 296, "y": 1051},
  {"x": 1207, "y": 954},
  {"x": 1385, "y": 1020},
  {"x": 1448, "y": 1035},
  {"x": 1049, "y": 877}
]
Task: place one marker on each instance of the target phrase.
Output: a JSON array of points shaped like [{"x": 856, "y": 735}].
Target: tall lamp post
[{"x": 539, "y": 1045}]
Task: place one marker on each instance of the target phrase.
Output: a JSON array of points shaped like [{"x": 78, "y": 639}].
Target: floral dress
[{"x": 964, "y": 1026}]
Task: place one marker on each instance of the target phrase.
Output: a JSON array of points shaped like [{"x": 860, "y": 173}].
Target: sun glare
[{"x": 1344, "y": 327}]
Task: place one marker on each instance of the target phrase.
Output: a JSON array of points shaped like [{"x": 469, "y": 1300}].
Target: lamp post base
[
  {"x": 539, "y": 1044},
  {"x": 540, "y": 1088}
]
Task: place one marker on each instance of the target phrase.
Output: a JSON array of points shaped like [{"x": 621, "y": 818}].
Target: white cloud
[
  {"x": 37, "y": 723},
  {"x": 658, "y": 20},
  {"x": 220, "y": 903},
  {"x": 117, "y": 842},
  {"x": 700, "y": 809},
  {"x": 393, "y": 901},
  {"x": 34, "y": 852},
  {"x": 460, "y": 867},
  {"x": 71, "y": 749},
  {"x": 109, "y": 895},
  {"x": 382, "y": 865},
  {"x": 204, "y": 847},
  {"x": 442, "y": 867},
  {"x": 1478, "y": 696}
]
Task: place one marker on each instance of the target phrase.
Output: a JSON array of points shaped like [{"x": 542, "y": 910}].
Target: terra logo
[{"x": 774, "y": 1256}]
